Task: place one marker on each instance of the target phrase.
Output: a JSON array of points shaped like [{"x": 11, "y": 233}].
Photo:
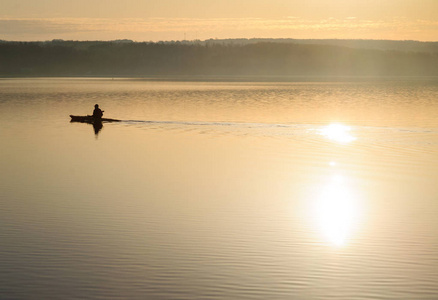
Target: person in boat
[{"x": 97, "y": 112}]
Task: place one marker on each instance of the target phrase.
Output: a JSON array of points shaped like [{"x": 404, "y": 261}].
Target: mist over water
[{"x": 219, "y": 190}]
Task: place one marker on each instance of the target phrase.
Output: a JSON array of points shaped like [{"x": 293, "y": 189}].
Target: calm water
[{"x": 219, "y": 190}]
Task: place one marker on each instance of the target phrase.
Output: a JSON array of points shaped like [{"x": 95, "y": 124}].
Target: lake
[{"x": 219, "y": 190}]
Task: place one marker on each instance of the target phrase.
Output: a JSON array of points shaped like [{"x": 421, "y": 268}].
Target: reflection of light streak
[
  {"x": 338, "y": 133},
  {"x": 336, "y": 211}
]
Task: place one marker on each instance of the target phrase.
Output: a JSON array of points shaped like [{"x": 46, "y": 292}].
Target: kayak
[{"x": 91, "y": 119}]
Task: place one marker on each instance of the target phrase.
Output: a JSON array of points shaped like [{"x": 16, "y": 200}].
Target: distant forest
[{"x": 125, "y": 58}]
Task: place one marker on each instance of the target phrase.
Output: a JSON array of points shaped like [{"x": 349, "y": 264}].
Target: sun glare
[
  {"x": 338, "y": 133},
  {"x": 336, "y": 211}
]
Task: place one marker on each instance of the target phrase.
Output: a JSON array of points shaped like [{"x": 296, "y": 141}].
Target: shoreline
[{"x": 243, "y": 78}]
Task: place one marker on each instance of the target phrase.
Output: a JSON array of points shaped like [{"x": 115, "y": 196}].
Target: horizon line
[{"x": 217, "y": 39}]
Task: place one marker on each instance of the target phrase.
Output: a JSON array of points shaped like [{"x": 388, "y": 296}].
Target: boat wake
[
  {"x": 319, "y": 128},
  {"x": 343, "y": 134},
  {"x": 224, "y": 124}
]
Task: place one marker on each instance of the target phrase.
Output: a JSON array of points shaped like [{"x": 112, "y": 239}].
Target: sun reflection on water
[
  {"x": 336, "y": 211},
  {"x": 338, "y": 133}
]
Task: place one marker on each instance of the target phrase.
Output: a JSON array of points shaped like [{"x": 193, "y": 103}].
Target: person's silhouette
[{"x": 97, "y": 112}]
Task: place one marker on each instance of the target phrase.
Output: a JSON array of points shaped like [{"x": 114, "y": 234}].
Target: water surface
[{"x": 219, "y": 190}]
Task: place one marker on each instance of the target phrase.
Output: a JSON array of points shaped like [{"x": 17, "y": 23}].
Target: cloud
[{"x": 142, "y": 29}]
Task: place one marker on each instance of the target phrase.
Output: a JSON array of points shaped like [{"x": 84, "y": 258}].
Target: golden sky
[{"x": 154, "y": 20}]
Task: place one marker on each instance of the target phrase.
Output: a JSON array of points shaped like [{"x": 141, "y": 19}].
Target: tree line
[{"x": 76, "y": 58}]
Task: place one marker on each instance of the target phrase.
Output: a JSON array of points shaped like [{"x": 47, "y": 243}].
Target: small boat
[{"x": 91, "y": 119}]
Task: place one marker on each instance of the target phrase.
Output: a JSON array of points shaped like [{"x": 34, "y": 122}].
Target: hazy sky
[{"x": 154, "y": 20}]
